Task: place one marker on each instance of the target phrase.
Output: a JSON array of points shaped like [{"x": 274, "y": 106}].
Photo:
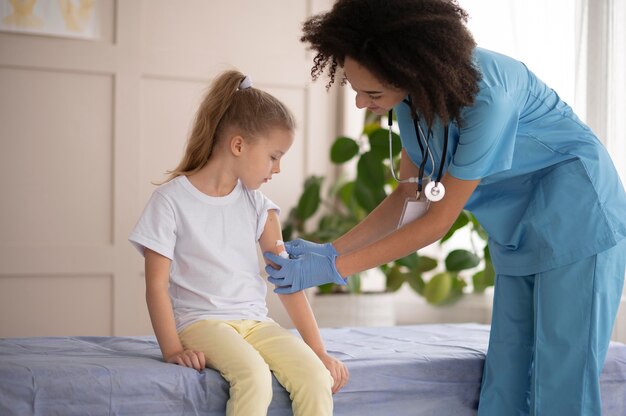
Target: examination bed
[{"x": 404, "y": 370}]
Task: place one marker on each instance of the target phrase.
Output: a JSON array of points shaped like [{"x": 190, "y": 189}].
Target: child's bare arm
[
  {"x": 298, "y": 307},
  {"x": 296, "y": 304},
  {"x": 162, "y": 316}
]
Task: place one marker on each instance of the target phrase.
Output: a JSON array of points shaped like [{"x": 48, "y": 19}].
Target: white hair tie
[{"x": 245, "y": 83}]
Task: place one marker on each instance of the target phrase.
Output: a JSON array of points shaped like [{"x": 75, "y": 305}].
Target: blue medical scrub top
[{"x": 549, "y": 193}]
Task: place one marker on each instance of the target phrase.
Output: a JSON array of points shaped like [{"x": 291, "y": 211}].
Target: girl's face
[
  {"x": 370, "y": 92},
  {"x": 260, "y": 159}
]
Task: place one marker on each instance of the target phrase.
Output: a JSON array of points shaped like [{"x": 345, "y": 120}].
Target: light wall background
[{"x": 87, "y": 125}]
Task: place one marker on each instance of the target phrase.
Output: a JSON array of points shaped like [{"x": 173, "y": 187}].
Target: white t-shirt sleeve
[
  {"x": 156, "y": 228},
  {"x": 262, "y": 205}
]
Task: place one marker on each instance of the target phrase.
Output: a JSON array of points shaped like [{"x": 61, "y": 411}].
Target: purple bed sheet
[{"x": 404, "y": 370}]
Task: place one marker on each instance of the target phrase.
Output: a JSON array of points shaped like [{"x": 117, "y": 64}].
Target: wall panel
[
  {"x": 195, "y": 36},
  {"x": 50, "y": 305},
  {"x": 60, "y": 150}
]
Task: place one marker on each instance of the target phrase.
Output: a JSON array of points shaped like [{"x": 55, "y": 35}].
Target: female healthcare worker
[{"x": 503, "y": 145}]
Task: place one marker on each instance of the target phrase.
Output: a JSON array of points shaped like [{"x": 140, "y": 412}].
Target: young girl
[{"x": 198, "y": 235}]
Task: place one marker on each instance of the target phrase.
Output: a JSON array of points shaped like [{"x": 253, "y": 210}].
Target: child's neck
[{"x": 214, "y": 179}]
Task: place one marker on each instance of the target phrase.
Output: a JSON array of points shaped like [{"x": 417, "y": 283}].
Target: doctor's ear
[{"x": 237, "y": 144}]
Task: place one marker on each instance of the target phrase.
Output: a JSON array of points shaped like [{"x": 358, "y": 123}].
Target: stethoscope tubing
[
  {"x": 411, "y": 179},
  {"x": 436, "y": 190}
]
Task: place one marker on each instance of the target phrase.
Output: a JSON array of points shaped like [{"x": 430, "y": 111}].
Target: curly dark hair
[{"x": 421, "y": 46}]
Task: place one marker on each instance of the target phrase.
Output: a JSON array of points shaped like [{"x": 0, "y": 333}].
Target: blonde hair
[{"x": 225, "y": 106}]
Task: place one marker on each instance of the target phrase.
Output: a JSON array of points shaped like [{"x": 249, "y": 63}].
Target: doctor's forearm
[
  {"x": 379, "y": 223},
  {"x": 398, "y": 244},
  {"x": 413, "y": 236}
]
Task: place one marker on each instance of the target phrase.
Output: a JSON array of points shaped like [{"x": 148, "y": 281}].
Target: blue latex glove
[
  {"x": 299, "y": 247},
  {"x": 304, "y": 271}
]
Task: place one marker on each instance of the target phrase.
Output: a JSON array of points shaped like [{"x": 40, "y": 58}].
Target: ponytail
[{"x": 230, "y": 103}]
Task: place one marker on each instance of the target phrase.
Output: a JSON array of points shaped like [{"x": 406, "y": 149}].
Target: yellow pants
[{"x": 245, "y": 351}]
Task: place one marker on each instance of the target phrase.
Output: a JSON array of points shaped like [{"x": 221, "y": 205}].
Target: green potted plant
[{"x": 350, "y": 199}]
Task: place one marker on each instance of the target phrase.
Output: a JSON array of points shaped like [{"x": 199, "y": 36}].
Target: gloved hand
[
  {"x": 307, "y": 270},
  {"x": 299, "y": 246}
]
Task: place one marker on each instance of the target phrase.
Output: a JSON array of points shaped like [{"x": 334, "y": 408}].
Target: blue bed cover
[{"x": 403, "y": 370}]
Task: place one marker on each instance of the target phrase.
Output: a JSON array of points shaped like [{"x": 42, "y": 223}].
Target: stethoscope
[{"x": 435, "y": 191}]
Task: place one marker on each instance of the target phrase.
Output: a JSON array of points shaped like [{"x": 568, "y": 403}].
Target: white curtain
[
  {"x": 540, "y": 33},
  {"x": 616, "y": 93},
  {"x": 602, "y": 50},
  {"x": 601, "y": 86}
]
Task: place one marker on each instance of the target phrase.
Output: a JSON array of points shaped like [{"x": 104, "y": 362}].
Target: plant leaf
[
  {"x": 396, "y": 144},
  {"x": 346, "y": 193},
  {"x": 461, "y": 260},
  {"x": 395, "y": 279},
  {"x": 287, "y": 232},
  {"x": 479, "y": 282},
  {"x": 486, "y": 277},
  {"x": 371, "y": 171},
  {"x": 426, "y": 264},
  {"x": 461, "y": 221},
  {"x": 478, "y": 228},
  {"x": 438, "y": 288},
  {"x": 379, "y": 143},
  {"x": 411, "y": 261},
  {"x": 354, "y": 283},
  {"x": 456, "y": 291},
  {"x": 343, "y": 149},
  {"x": 309, "y": 201},
  {"x": 415, "y": 281},
  {"x": 326, "y": 289},
  {"x": 366, "y": 197}
]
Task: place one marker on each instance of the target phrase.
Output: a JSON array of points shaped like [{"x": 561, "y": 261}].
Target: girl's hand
[
  {"x": 337, "y": 369},
  {"x": 188, "y": 358}
]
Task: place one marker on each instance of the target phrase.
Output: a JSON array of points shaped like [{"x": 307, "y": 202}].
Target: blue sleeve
[{"x": 486, "y": 136}]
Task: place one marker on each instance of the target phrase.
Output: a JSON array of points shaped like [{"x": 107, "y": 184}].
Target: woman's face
[{"x": 370, "y": 92}]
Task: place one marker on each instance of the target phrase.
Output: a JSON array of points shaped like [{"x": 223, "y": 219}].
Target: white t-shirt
[{"x": 211, "y": 241}]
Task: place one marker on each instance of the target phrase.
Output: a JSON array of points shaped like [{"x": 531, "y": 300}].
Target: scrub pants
[
  {"x": 549, "y": 337},
  {"x": 244, "y": 352}
]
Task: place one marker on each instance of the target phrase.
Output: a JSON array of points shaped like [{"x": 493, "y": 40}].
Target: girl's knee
[
  {"x": 260, "y": 388},
  {"x": 312, "y": 394},
  {"x": 315, "y": 382},
  {"x": 255, "y": 386}
]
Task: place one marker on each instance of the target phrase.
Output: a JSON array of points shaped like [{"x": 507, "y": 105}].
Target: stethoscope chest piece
[{"x": 435, "y": 191}]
